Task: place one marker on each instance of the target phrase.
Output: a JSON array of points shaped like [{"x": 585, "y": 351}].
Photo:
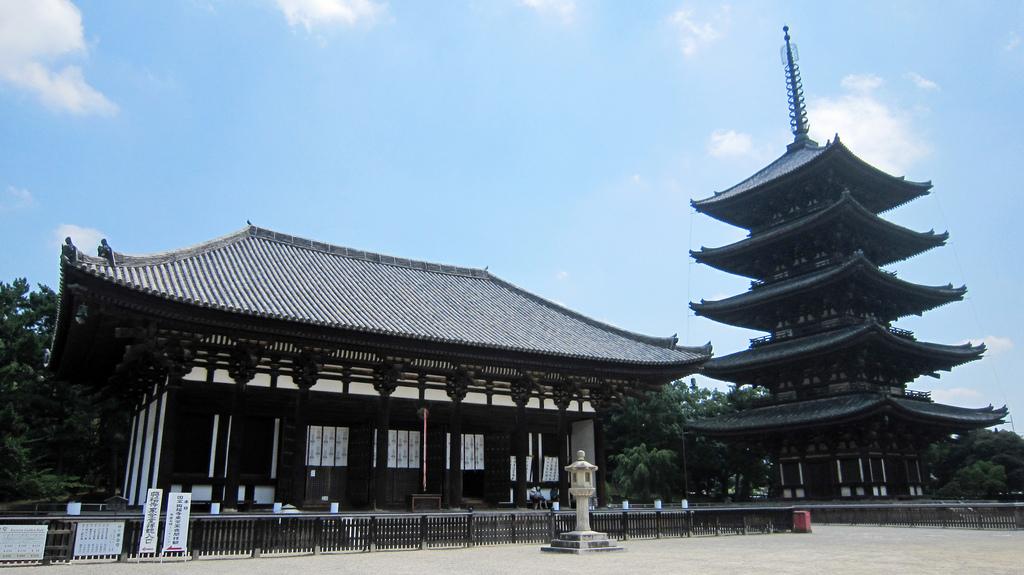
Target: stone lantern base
[{"x": 579, "y": 542}]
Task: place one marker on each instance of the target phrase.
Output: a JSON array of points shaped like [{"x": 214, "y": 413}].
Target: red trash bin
[{"x": 801, "y": 522}]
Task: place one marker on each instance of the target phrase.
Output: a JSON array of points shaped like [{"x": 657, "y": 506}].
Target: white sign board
[
  {"x": 550, "y": 469},
  {"x": 179, "y": 507},
  {"x": 99, "y": 538},
  {"x": 151, "y": 521},
  {"x": 20, "y": 542}
]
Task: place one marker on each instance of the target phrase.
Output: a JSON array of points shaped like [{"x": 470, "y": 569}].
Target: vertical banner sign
[
  {"x": 179, "y": 506},
  {"x": 151, "y": 521}
]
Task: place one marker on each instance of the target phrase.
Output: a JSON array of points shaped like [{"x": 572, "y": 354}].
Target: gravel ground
[{"x": 829, "y": 550}]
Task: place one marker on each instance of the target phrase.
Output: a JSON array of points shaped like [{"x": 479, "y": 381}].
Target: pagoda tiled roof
[
  {"x": 852, "y": 407},
  {"x": 260, "y": 273},
  {"x": 800, "y": 159},
  {"x": 740, "y": 310},
  {"x": 789, "y": 162},
  {"x": 897, "y": 242},
  {"x": 836, "y": 341}
]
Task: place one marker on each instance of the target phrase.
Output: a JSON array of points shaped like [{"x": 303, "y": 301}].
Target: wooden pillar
[
  {"x": 385, "y": 380},
  {"x": 380, "y": 470},
  {"x": 297, "y": 495},
  {"x": 456, "y": 387},
  {"x": 520, "y": 390},
  {"x": 163, "y": 480},
  {"x": 562, "y": 436},
  {"x": 521, "y": 451},
  {"x": 242, "y": 368},
  {"x": 601, "y": 462},
  {"x": 455, "y": 463},
  {"x": 562, "y": 394},
  {"x": 236, "y": 445}
]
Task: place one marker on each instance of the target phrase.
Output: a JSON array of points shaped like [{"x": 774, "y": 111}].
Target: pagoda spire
[{"x": 795, "y": 90}]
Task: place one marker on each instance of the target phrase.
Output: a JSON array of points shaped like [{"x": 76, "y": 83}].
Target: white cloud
[
  {"x": 85, "y": 239},
  {"x": 921, "y": 82},
  {"x": 729, "y": 143},
  {"x": 861, "y": 82},
  {"x": 562, "y": 275},
  {"x": 995, "y": 344},
  {"x": 636, "y": 179},
  {"x": 312, "y": 14},
  {"x": 1013, "y": 42},
  {"x": 695, "y": 34},
  {"x": 565, "y": 10},
  {"x": 16, "y": 199},
  {"x": 35, "y": 34},
  {"x": 879, "y": 133},
  {"x": 955, "y": 395}
]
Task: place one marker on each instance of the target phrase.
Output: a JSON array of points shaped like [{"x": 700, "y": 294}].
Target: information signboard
[
  {"x": 94, "y": 538},
  {"x": 179, "y": 507},
  {"x": 22, "y": 542},
  {"x": 151, "y": 521}
]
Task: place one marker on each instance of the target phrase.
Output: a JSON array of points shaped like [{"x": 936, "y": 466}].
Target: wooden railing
[
  {"x": 1006, "y": 516},
  {"x": 260, "y": 535}
]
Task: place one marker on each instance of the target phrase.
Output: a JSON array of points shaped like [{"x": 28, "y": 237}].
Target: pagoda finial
[{"x": 795, "y": 90}]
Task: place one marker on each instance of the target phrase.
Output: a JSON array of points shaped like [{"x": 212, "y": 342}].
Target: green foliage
[
  {"x": 656, "y": 422},
  {"x": 48, "y": 429},
  {"x": 979, "y": 464},
  {"x": 981, "y": 480},
  {"x": 642, "y": 472}
]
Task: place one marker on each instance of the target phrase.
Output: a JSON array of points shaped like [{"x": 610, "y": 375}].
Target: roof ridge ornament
[{"x": 795, "y": 91}]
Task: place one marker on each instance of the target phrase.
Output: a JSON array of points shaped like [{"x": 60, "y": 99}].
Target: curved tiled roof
[
  {"x": 258, "y": 272},
  {"x": 795, "y": 158},
  {"x": 835, "y": 342},
  {"x": 736, "y": 257},
  {"x": 736, "y": 310},
  {"x": 813, "y": 412}
]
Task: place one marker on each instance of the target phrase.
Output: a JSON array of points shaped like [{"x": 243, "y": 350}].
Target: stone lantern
[{"x": 582, "y": 486}]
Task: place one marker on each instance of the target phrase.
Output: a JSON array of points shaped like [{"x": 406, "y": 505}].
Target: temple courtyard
[{"x": 830, "y": 549}]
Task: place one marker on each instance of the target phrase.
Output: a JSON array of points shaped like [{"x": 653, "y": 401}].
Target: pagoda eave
[
  {"x": 743, "y": 366},
  {"x": 744, "y": 310},
  {"x": 884, "y": 241},
  {"x": 831, "y": 411}
]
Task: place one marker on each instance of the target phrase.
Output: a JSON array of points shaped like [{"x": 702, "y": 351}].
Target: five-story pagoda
[{"x": 838, "y": 419}]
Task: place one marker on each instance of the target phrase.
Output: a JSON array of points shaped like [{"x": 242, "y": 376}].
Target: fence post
[
  {"x": 657, "y": 524},
  {"x": 744, "y": 524},
  {"x": 196, "y": 534},
  {"x": 126, "y": 543},
  {"x": 551, "y": 524},
  {"x": 373, "y": 533},
  {"x": 625, "y": 526},
  {"x": 1018, "y": 516},
  {"x": 512, "y": 522},
  {"x": 423, "y": 531},
  {"x": 689, "y": 523},
  {"x": 259, "y": 539},
  {"x": 318, "y": 530}
]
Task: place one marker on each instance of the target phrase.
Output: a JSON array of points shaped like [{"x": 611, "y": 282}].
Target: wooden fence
[
  {"x": 260, "y": 535},
  {"x": 1006, "y": 516}
]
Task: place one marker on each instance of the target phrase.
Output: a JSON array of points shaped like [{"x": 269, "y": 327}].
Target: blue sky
[{"x": 558, "y": 142}]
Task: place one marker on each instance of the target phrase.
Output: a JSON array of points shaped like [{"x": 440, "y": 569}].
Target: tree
[
  {"x": 978, "y": 464},
  {"x": 642, "y": 472},
  {"x": 48, "y": 428},
  {"x": 657, "y": 422},
  {"x": 981, "y": 480}
]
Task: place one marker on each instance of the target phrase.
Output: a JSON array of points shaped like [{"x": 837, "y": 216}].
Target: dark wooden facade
[
  {"x": 839, "y": 419},
  {"x": 255, "y": 376}
]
